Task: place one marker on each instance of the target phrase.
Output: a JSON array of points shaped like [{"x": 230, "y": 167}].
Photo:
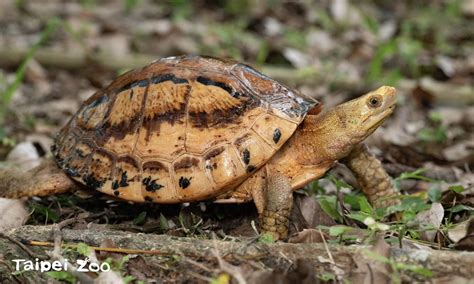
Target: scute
[
  {"x": 222, "y": 164},
  {"x": 126, "y": 179},
  {"x": 274, "y": 130},
  {"x": 181, "y": 129},
  {"x": 99, "y": 169},
  {"x": 157, "y": 183},
  {"x": 93, "y": 114}
]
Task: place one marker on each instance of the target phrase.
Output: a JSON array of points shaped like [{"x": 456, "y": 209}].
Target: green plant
[
  {"x": 222, "y": 278},
  {"x": 266, "y": 238},
  {"x": 45, "y": 212},
  {"x": 376, "y": 69},
  {"x": 181, "y": 9},
  {"x": 436, "y": 132},
  {"x": 397, "y": 267},
  {"x": 130, "y": 4},
  {"x": 7, "y": 95},
  {"x": 295, "y": 38},
  {"x": 417, "y": 175},
  {"x": 62, "y": 276},
  {"x": 420, "y": 30},
  {"x": 140, "y": 219},
  {"x": 327, "y": 276},
  {"x": 83, "y": 249},
  {"x": 89, "y": 4},
  {"x": 329, "y": 206}
]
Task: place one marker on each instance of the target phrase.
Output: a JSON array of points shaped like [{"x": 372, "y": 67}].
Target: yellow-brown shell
[{"x": 180, "y": 129}]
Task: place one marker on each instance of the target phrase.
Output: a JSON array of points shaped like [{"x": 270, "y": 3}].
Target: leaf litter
[{"x": 340, "y": 48}]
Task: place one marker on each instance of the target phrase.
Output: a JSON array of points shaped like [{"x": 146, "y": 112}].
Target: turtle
[{"x": 193, "y": 128}]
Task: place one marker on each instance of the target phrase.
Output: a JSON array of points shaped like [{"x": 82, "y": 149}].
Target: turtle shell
[{"x": 181, "y": 129}]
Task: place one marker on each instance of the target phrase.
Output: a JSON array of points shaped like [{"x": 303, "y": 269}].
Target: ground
[{"x": 55, "y": 54}]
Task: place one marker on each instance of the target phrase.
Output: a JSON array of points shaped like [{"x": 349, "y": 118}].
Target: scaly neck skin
[{"x": 320, "y": 140}]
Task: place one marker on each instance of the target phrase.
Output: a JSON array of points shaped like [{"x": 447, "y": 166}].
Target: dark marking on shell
[
  {"x": 276, "y": 135},
  {"x": 97, "y": 102},
  {"x": 91, "y": 182},
  {"x": 246, "y": 156},
  {"x": 71, "y": 172},
  {"x": 221, "y": 117},
  {"x": 123, "y": 180},
  {"x": 105, "y": 132},
  {"x": 214, "y": 153},
  {"x": 140, "y": 83},
  {"x": 151, "y": 185},
  {"x": 129, "y": 160},
  {"x": 168, "y": 77},
  {"x": 241, "y": 140},
  {"x": 250, "y": 169},
  {"x": 186, "y": 163},
  {"x": 154, "y": 165},
  {"x": 184, "y": 182},
  {"x": 80, "y": 153},
  {"x": 148, "y": 199},
  {"x": 152, "y": 124},
  {"x": 224, "y": 86},
  {"x": 116, "y": 193},
  {"x": 115, "y": 185}
]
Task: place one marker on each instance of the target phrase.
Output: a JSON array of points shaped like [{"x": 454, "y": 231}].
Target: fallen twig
[{"x": 441, "y": 263}]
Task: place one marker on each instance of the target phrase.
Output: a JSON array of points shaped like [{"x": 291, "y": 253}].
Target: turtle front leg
[
  {"x": 275, "y": 217},
  {"x": 46, "y": 179},
  {"x": 376, "y": 184}
]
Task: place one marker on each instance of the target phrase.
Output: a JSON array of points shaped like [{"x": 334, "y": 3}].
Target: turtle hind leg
[
  {"x": 275, "y": 217},
  {"x": 375, "y": 183},
  {"x": 46, "y": 179}
]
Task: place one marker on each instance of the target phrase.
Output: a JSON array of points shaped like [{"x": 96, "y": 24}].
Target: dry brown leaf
[
  {"x": 458, "y": 232},
  {"x": 467, "y": 242},
  {"x": 307, "y": 236},
  {"x": 312, "y": 212},
  {"x": 459, "y": 151},
  {"x": 433, "y": 217},
  {"x": 370, "y": 270}
]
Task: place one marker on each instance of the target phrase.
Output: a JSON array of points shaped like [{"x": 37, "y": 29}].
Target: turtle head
[
  {"x": 360, "y": 117},
  {"x": 350, "y": 123}
]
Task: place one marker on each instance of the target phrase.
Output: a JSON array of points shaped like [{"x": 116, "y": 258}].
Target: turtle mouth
[{"x": 376, "y": 120}]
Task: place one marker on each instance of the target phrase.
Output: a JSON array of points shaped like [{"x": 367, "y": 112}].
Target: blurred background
[{"x": 55, "y": 54}]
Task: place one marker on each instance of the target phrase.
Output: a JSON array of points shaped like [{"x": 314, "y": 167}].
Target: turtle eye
[{"x": 375, "y": 101}]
